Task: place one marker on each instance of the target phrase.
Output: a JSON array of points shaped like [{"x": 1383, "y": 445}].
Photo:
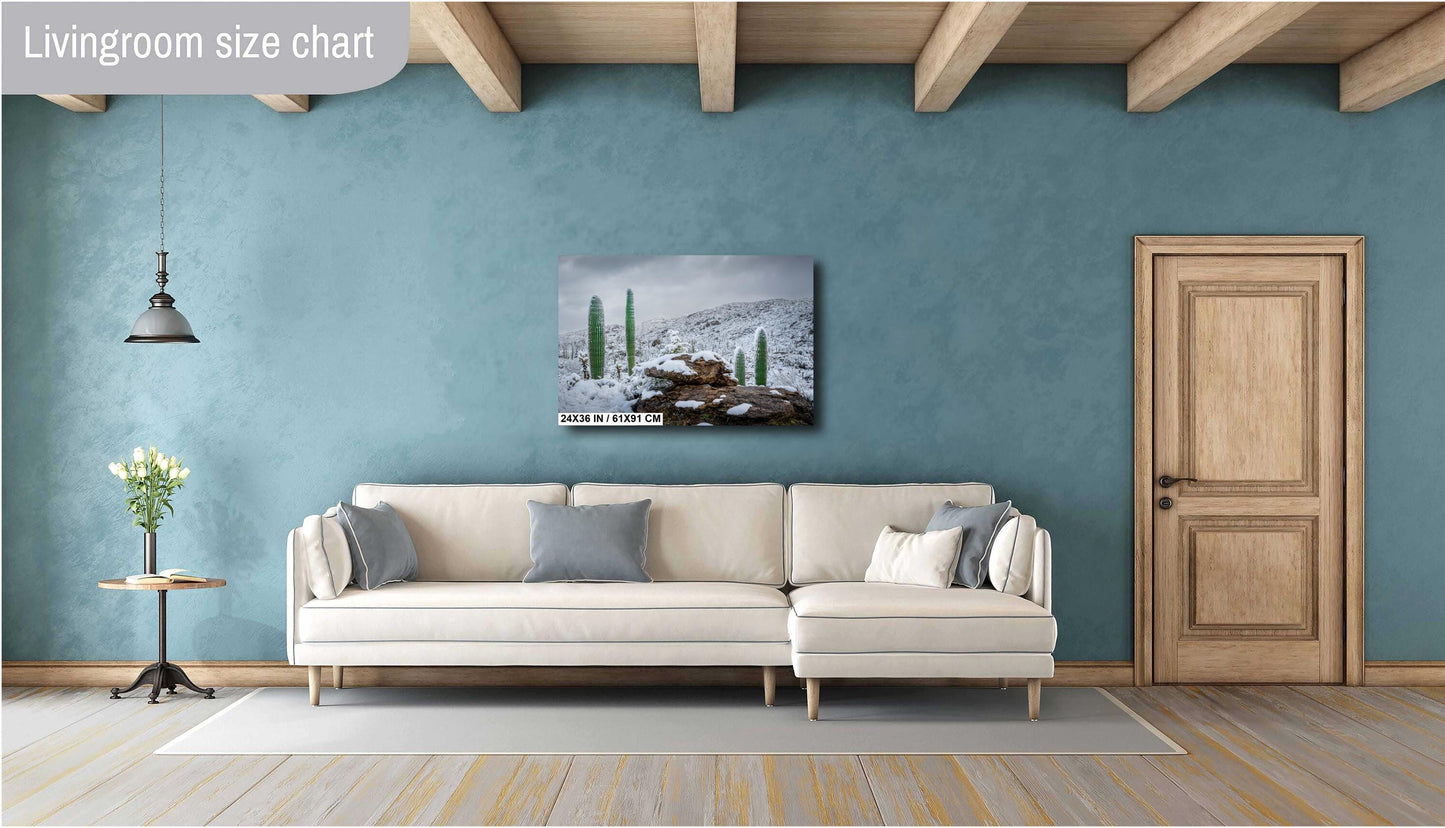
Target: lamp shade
[{"x": 161, "y": 323}]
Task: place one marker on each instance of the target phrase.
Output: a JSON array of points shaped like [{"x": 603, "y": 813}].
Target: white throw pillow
[
  {"x": 920, "y": 559},
  {"x": 1011, "y": 557},
  {"x": 326, "y": 556}
]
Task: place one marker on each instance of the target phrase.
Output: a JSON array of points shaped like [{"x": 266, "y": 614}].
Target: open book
[{"x": 166, "y": 576}]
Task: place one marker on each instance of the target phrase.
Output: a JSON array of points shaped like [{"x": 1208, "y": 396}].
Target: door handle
[{"x": 1166, "y": 481}]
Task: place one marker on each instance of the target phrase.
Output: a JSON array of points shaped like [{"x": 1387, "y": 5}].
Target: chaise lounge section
[{"x": 842, "y": 627}]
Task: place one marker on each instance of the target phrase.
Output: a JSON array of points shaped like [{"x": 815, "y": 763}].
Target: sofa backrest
[
  {"x": 833, "y": 527},
  {"x": 707, "y": 532},
  {"x": 468, "y": 532}
]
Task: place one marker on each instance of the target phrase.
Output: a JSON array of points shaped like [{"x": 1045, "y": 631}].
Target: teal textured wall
[{"x": 374, "y": 286}]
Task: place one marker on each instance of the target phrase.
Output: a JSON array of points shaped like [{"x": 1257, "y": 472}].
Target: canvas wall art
[{"x": 685, "y": 340}]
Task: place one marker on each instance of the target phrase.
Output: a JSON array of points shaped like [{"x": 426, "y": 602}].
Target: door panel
[
  {"x": 1248, "y": 559},
  {"x": 1229, "y": 561}
]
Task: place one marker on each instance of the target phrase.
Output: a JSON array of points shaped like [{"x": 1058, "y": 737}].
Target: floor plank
[
  {"x": 1399, "y": 768},
  {"x": 322, "y": 790},
  {"x": 1135, "y": 791},
  {"x": 380, "y": 783},
  {"x": 1060, "y": 799},
  {"x": 1226, "y": 804},
  {"x": 1352, "y": 772},
  {"x": 637, "y": 790},
  {"x": 196, "y": 789},
  {"x": 1161, "y": 791},
  {"x": 29, "y": 717},
  {"x": 46, "y": 776},
  {"x": 479, "y": 790},
  {"x": 1436, "y": 693},
  {"x": 926, "y": 790},
  {"x": 1407, "y": 719},
  {"x": 792, "y": 790},
  {"x": 740, "y": 792},
  {"x": 1265, "y": 781}
]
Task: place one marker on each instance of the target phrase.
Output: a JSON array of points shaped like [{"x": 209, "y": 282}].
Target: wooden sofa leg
[
  {"x": 813, "y": 699},
  {"x": 1035, "y": 689},
  {"x": 770, "y": 685},
  {"x": 336, "y": 676},
  {"x": 313, "y": 674},
  {"x": 1003, "y": 684}
]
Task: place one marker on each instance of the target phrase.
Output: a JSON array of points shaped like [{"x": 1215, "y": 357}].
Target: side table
[{"x": 162, "y": 673}]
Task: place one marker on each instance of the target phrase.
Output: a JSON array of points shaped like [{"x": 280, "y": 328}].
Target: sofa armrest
[
  {"x": 1041, "y": 589},
  {"x": 298, "y": 592}
]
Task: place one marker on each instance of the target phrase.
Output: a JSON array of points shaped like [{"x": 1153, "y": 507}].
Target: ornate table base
[{"x": 162, "y": 673}]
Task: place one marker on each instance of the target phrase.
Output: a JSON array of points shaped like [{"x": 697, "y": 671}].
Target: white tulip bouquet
[{"x": 151, "y": 479}]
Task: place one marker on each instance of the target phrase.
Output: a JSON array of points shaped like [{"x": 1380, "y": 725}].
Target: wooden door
[{"x": 1249, "y": 561}]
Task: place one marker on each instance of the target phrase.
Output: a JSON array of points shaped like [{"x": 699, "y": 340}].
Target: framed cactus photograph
[{"x": 685, "y": 340}]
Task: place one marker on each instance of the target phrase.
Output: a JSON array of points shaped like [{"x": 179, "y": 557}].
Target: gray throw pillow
[
  {"x": 381, "y": 548},
  {"x": 979, "y": 524},
  {"x": 589, "y": 543}
]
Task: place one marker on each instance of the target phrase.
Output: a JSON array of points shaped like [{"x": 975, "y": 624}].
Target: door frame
[{"x": 1352, "y": 248}]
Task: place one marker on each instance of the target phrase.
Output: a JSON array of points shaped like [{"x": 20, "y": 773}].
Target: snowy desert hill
[{"x": 789, "y": 326}]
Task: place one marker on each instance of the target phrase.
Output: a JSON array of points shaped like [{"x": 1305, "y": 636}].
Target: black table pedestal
[{"x": 162, "y": 673}]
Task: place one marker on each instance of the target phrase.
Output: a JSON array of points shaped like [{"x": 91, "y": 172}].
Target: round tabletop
[{"x": 119, "y": 583}]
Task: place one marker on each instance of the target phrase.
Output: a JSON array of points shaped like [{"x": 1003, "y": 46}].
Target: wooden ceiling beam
[
  {"x": 1401, "y": 64},
  {"x": 961, "y": 41},
  {"x": 717, "y": 53},
  {"x": 476, "y": 47},
  {"x": 78, "y": 103},
  {"x": 1207, "y": 39},
  {"x": 286, "y": 103}
]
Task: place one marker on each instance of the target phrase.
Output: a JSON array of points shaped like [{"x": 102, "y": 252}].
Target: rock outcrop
[
  {"x": 700, "y": 389},
  {"x": 689, "y": 369}
]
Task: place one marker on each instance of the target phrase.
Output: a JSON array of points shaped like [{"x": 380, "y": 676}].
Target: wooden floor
[{"x": 1256, "y": 755}]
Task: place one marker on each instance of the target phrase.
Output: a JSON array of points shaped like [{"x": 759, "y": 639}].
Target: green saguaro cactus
[
  {"x": 760, "y": 358},
  {"x": 740, "y": 365},
  {"x": 631, "y": 334},
  {"x": 596, "y": 339}
]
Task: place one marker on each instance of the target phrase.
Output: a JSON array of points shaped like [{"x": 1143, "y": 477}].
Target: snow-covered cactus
[
  {"x": 740, "y": 365},
  {"x": 631, "y": 334},
  {"x": 760, "y": 359},
  {"x": 596, "y": 339}
]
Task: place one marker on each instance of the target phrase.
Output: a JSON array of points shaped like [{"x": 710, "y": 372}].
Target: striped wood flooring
[{"x": 1256, "y": 755}]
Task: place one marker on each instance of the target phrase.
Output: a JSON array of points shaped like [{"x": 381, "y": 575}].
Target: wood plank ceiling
[{"x": 1386, "y": 50}]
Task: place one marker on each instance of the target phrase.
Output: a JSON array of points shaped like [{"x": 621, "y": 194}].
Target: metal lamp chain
[
  {"x": 163, "y": 172},
  {"x": 161, "y": 276}
]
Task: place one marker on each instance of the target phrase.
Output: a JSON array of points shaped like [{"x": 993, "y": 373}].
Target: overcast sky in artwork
[{"x": 669, "y": 286}]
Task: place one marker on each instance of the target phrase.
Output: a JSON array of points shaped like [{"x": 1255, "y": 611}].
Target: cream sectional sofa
[{"x": 743, "y": 575}]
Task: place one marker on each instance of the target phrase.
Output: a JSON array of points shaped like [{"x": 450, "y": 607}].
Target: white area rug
[{"x": 677, "y": 720}]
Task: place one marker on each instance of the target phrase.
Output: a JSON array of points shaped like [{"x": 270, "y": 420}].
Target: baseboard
[
  {"x": 281, "y": 674},
  {"x": 1405, "y": 673}
]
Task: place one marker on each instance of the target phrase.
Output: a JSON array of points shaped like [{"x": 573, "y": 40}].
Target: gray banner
[{"x": 200, "y": 48}]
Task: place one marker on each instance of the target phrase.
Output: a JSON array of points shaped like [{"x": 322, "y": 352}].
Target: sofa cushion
[
  {"x": 833, "y": 526},
  {"x": 561, "y": 612},
  {"x": 467, "y": 532},
  {"x": 980, "y": 525},
  {"x": 599, "y": 544},
  {"x": 322, "y": 546},
  {"x": 916, "y": 558},
  {"x": 707, "y": 533},
  {"x": 381, "y": 549},
  {"x": 862, "y": 618},
  {"x": 1011, "y": 556}
]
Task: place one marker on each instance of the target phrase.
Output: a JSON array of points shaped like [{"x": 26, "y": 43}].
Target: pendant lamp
[{"x": 161, "y": 322}]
